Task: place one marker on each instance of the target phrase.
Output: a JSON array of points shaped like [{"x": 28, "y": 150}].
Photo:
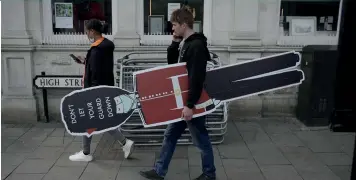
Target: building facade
[{"x": 38, "y": 36}]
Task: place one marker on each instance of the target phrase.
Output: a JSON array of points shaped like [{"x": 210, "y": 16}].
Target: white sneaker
[
  {"x": 80, "y": 156},
  {"x": 128, "y": 148}
]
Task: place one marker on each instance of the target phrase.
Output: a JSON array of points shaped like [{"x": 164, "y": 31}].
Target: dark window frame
[
  {"x": 317, "y": 8},
  {"x": 81, "y": 6},
  {"x": 162, "y": 10}
]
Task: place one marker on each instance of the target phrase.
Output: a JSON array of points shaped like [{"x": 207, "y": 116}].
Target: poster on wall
[
  {"x": 302, "y": 26},
  {"x": 100, "y": 109},
  {"x": 64, "y": 15},
  {"x": 171, "y": 7},
  {"x": 197, "y": 26},
  {"x": 156, "y": 24}
]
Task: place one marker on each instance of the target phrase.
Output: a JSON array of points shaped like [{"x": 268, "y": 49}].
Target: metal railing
[
  {"x": 320, "y": 38},
  {"x": 69, "y": 39},
  {"x": 216, "y": 122}
]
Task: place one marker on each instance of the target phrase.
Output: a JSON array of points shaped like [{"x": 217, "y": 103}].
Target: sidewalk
[{"x": 254, "y": 149}]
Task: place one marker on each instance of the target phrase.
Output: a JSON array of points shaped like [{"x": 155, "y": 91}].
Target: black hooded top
[
  {"x": 196, "y": 54},
  {"x": 100, "y": 64}
]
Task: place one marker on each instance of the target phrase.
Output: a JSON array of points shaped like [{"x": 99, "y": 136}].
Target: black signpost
[{"x": 45, "y": 82}]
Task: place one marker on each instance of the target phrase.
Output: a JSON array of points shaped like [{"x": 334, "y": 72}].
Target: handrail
[{"x": 126, "y": 59}]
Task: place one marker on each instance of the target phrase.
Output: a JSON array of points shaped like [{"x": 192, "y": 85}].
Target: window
[
  {"x": 157, "y": 14},
  {"x": 70, "y": 16},
  {"x": 323, "y": 12}
]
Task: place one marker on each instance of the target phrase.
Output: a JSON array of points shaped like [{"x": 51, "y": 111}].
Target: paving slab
[
  {"x": 131, "y": 173},
  {"x": 38, "y": 134},
  {"x": 59, "y": 132},
  {"x": 26, "y": 177},
  {"x": 286, "y": 139},
  {"x": 6, "y": 170},
  {"x": 178, "y": 169},
  {"x": 242, "y": 169},
  {"x": 140, "y": 160},
  {"x": 13, "y": 159},
  {"x": 280, "y": 172},
  {"x": 36, "y": 166},
  {"x": 318, "y": 141},
  {"x": 13, "y": 132},
  {"x": 6, "y": 142},
  {"x": 101, "y": 169},
  {"x": 46, "y": 153},
  {"x": 258, "y": 149},
  {"x": 266, "y": 153},
  {"x": 335, "y": 159},
  {"x": 344, "y": 172},
  {"x": 57, "y": 141},
  {"x": 235, "y": 151},
  {"x": 21, "y": 146},
  {"x": 67, "y": 173}
]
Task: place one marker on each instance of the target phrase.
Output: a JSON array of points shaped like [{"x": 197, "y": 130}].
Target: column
[
  {"x": 14, "y": 29},
  {"x": 34, "y": 20},
  {"x": 18, "y": 101},
  {"x": 126, "y": 30},
  {"x": 245, "y": 30},
  {"x": 269, "y": 21},
  {"x": 220, "y": 13}
]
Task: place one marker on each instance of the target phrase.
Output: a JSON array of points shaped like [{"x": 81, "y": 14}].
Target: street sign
[{"x": 57, "y": 82}]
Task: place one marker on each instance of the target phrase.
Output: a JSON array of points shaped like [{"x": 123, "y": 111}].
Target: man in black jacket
[{"x": 192, "y": 49}]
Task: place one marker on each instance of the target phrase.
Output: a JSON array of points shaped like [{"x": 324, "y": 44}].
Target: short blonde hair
[{"x": 183, "y": 15}]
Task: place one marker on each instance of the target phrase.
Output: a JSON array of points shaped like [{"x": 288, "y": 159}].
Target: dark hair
[
  {"x": 183, "y": 15},
  {"x": 97, "y": 26}
]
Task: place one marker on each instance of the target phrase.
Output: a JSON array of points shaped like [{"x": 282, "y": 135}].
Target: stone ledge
[
  {"x": 227, "y": 48},
  {"x": 16, "y": 48}
]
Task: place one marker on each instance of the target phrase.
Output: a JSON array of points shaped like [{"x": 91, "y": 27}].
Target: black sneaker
[
  {"x": 151, "y": 174},
  {"x": 204, "y": 177}
]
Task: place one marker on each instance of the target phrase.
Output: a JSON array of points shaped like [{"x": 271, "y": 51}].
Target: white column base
[
  {"x": 126, "y": 38},
  {"x": 18, "y": 109},
  {"x": 18, "y": 103},
  {"x": 245, "y": 39}
]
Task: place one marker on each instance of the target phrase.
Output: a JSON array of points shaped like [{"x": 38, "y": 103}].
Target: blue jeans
[{"x": 200, "y": 137}]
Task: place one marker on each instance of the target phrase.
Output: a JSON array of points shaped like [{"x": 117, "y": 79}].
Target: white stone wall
[{"x": 238, "y": 30}]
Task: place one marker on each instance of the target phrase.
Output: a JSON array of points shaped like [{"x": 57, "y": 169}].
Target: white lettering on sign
[
  {"x": 72, "y": 114},
  {"x": 108, "y": 105},
  {"x": 100, "y": 108},
  {"x": 58, "y": 82},
  {"x": 95, "y": 109},
  {"x": 81, "y": 112},
  {"x": 90, "y": 109}
]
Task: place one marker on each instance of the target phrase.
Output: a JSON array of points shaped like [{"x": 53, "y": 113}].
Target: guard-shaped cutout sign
[{"x": 160, "y": 93}]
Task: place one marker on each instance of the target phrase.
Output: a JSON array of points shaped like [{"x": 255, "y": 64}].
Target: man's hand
[{"x": 187, "y": 114}]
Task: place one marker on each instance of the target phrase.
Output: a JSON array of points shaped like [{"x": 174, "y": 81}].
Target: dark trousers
[{"x": 200, "y": 139}]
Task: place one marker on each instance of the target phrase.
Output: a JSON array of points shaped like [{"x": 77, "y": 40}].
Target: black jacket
[
  {"x": 99, "y": 64},
  {"x": 196, "y": 54}
]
